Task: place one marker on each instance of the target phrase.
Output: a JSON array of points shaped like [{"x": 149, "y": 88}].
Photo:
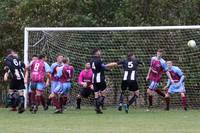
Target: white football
[{"x": 191, "y": 44}]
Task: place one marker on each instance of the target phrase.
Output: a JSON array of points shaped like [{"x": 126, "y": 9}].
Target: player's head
[
  {"x": 169, "y": 64},
  {"x": 66, "y": 60},
  {"x": 87, "y": 66},
  {"x": 159, "y": 53},
  {"x": 11, "y": 52},
  {"x": 59, "y": 58},
  {"x": 96, "y": 52},
  {"x": 130, "y": 55},
  {"x": 41, "y": 57},
  {"x": 34, "y": 57}
]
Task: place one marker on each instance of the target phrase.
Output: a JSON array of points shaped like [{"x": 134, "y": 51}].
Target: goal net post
[{"x": 115, "y": 42}]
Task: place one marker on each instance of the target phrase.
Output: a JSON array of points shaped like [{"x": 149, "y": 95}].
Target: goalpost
[{"x": 77, "y": 43}]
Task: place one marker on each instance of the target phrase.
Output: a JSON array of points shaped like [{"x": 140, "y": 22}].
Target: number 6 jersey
[{"x": 15, "y": 67}]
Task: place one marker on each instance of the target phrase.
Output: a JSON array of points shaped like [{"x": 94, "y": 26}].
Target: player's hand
[
  {"x": 91, "y": 87},
  {"x": 84, "y": 84},
  {"x": 147, "y": 78}
]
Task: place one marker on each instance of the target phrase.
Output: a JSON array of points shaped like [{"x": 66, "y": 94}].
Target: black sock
[
  {"x": 102, "y": 98},
  {"x": 97, "y": 103},
  {"x": 78, "y": 102},
  {"x": 21, "y": 101},
  {"x": 121, "y": 99},
  {"x": 133, "y": 99},
  {"x": 48, "y": 101}
]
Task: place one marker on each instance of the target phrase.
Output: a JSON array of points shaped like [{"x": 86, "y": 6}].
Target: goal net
[{"x": 115, "y": 43}]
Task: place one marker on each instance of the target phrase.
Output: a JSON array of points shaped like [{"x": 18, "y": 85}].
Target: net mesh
[{"x": 77, "y": 45}]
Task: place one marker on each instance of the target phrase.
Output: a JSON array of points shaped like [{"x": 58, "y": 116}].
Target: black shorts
[
  {"x": 131, "y": 85},
  {"x": 86, "y": 92},
  {"x": 17, "y": 84},
  {"x": 99, "y": 86}
]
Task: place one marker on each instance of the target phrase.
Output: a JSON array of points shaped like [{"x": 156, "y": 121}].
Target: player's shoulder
[
  {"x": 153, "y": 58},
  {"x": 176, "y": 68},
  {"x": 162, "y": 60}
]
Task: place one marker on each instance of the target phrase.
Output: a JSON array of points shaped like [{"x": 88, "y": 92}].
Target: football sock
[
  {"x": 167, "y": 99},
  {"x": 121, "y": 99},
  {"x": 78, "y": 102},
  {"x": 150, "y": 100},
  {"x": 133, "y": 99},
  {"x": 160, "y": 93},
  {"x": 184, "y": 101},
  {"x": 55, "y": 102}
]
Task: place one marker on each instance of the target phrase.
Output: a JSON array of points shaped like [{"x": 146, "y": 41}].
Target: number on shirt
[
  {"x": 93, "y": 66},
  {"x": 130, "y": 64},
  {"x": 15, "y": 62},
  {"x": 36, "y": 67}
]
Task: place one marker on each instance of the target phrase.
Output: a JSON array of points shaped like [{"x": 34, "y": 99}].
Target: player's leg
[
  {"x": 20, "y": 87},
  {"x": 102, "y": 94},
  {"x": 133, "y": 87},
  {"x": 54, "y": 96},
  {"x": 97, "y": 99},
  {"x": 184, "y": 100},
  {"x": 167, "y": 99},
  {"x": 121, "y": 98},
  {"x": 13, "y": 99},
  {"x": 150, "y": 97},
  {"x": 66, "y": 87}
]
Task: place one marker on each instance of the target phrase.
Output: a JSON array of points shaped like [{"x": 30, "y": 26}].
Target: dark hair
[
  {"x": 94, "y": 51},
  {"x": 9, "y": 51},
  {"x": 41, "y": 56},
  {"x": 65, "y": 60},
  {"x": 129, "y": 55},
  {"x": 160, "y": 50},
  {"x": 34, "y": 55},
  {"x": 59, "y": 54}
]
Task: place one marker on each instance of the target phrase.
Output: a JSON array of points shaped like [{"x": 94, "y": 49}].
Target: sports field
[{"x": 112, "y": 121}]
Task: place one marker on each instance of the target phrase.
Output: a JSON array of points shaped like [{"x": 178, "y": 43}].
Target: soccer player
[
  {"x": 16, "y": 70},
  {"x": 99, "y": 83},
  {"x": 85, "y": 81},
  {"x": 56, "y": 86},
  {"x": 34, "y": 57},
  {"x": 39, "y": 69},
  {"x": 178, "y": 86},
  {"x": 130, "y": 67},
  {"x": 157, "y": 67},
  {"x": 66, "y": 81}
]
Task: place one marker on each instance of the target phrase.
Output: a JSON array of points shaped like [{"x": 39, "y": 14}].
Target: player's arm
[
  {"x": 168, "y": 84},
  {"x": 48, "y": 73},
  {"x": 5, "y": 77},
  {"x": 165, "y": 68},
  {"x": 182, "y": 77},
  {"x": 147, "y": 78},
  {"x": 26, "y": 68}
]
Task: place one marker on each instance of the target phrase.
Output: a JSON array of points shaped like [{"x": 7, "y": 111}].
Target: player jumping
[
  {"x": 99, "y": 82},
  {"x": 56, "y": 86},
  {"x": 16, "y": 70},
  {"x": 178, "y": 86},
  {"x": 130, "y": 67},
  {"x": 157, "y": 67}
]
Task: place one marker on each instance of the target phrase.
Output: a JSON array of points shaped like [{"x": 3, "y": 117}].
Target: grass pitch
[{"x": 112, "y": 121}]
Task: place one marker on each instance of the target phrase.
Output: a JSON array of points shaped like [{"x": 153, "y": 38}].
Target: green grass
[{"x": 112, "y": 121}]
